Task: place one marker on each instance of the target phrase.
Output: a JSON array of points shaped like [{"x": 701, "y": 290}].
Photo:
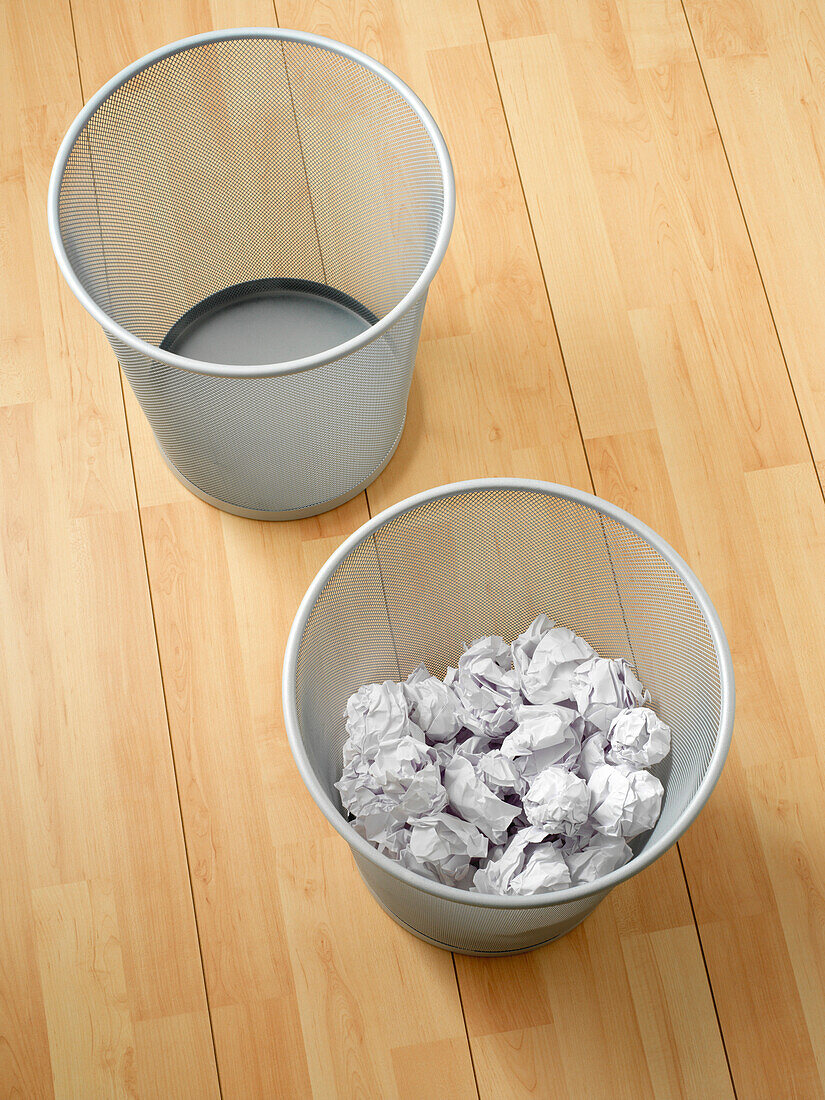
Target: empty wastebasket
[{"x": 254, "y": 217}]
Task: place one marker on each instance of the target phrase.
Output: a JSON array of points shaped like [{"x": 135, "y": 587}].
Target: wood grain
[
  {"x": 645, "y": 190},
  {"x": 489, "y": 395},
  {"x": 762, "y": 60},
  {"x": 81, "y": 964},
  {"x": 224, "y": 593},
  {"x": 595, "y": 200},
  {"x": 506, "y": 379},
  {"x": 98, "y": 943}
]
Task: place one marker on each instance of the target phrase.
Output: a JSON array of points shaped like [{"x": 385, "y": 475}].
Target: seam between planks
[
  {"x": 466, "y": 1029},
  {"x": 157, "y": 647},
  {"x": 587, "y": 457},
  {"x": 370, "y": 514},
  {"x": 707, "y": 974}
]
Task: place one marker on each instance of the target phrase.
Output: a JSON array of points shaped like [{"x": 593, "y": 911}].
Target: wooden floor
[{"x": 632, "y": 302}]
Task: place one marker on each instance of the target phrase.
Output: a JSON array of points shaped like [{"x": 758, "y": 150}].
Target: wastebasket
[
  {"x": 428, "y": 576},
  {"x": 254, "y": 217}
]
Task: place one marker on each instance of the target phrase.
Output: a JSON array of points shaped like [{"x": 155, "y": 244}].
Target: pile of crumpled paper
[{"x": 522, "y": 771}]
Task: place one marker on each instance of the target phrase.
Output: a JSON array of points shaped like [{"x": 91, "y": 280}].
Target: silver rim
[
  {"x": 450, "y": 893},
  {"x": 224, "y": 370}
]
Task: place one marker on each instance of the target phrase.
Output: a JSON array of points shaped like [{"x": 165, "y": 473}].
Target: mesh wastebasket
[
  {"x": 254, "y": 217},
  {"x": 424, "y": 578}
]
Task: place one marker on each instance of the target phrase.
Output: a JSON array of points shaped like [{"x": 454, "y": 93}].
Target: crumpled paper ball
[
  {"x": 433, "y": 706},
  {"x": 545, "y": 658},
  {"x": 558, "y": 801},
  {"x": 624, "y": 801},
  {"x": 446, "y": 844},
  {"x": 602, "y": 687},
  {"x": 638, "y": 737},
  {"x": 502, "y": 774},
  {"x": 377, "y": 714},
  {"x": 529, "y": 863},
  {"x": 596, "y": 858},
  {"x": 471, "y": 799},
  {"x": 544, "y": 735},
  {"x": 522, "y": 771},
  {"x": 487, "y": 687},
  {"x": 593, "y": 753}
]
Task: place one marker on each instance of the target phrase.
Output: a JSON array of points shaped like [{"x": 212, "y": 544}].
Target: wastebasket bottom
[
  {"x": 463, "y": 950},
  {"x": 267, "y": 321},
  {"x": 293, "y": 513}
]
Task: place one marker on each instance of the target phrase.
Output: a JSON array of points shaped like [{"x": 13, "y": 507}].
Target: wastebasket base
[
  {"x": 294, "y": 513},
  {"x": 467, "y": 951}
]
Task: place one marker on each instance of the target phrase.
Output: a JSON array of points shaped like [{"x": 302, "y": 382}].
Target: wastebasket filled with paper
[{"x": 508, "y": 697}]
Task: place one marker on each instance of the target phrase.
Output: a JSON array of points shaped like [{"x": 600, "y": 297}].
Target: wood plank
[
  {"x": 78, "y": 945},
  {"x": 489, "y": 394},
  {"x": 25, "y": 1060},
  {"x": 595, "y": 1015},
  {"x": 658, "y": 960},
  {"x": 321, "y": 897},
  {"x": 174, "y": 1057},
  {"x": 277, "y": 942},
  {"x": 625, "y": 113},
  {"x": 98, "y": 931},
  {"x": 762, "y": 61},
  {"x": 494, "y": 400},
  {"x": 231, "y": 846},
  {"x": 787, "y": 799},
  {"x": 432, "y": 1069},
  {"x": 489, "y": 290}
]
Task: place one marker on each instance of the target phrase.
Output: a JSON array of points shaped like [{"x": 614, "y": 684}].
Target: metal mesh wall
[
  {"x": 284, "y": 442},
  {"x": 481, "y": 562},
  {"x": 245, "y": 159},
  {"x": 473, "y": 929}
]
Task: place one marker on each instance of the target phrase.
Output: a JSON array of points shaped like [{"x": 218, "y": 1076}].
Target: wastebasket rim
[
  {"x": 654, "y": 849},
  {"x": 264, "y": 370}
]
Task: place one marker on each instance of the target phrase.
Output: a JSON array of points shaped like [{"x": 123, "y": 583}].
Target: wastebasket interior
[
  {"x": 266, "y": 321},
  {"x": 245, "y": 160},
  {"x": 482, "y": 562}
]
